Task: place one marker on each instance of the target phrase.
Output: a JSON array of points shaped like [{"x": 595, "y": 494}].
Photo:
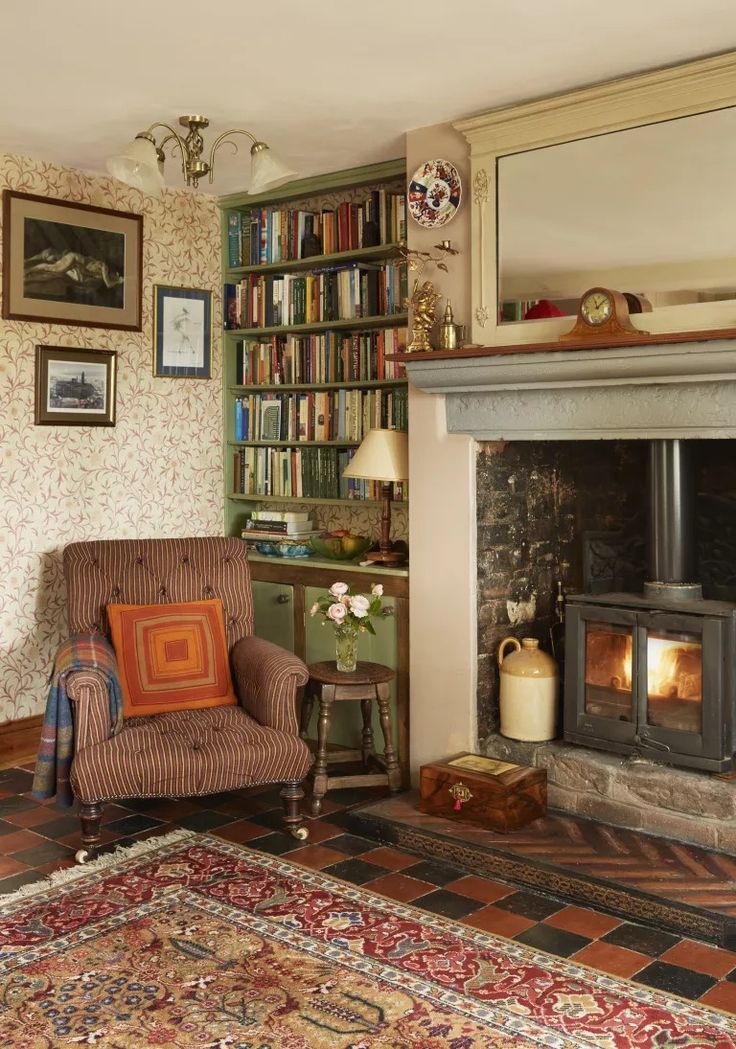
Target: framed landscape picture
[
  {"x": 182, "y": 332},
  {"x": 75, "y": 387},
  {"x": 71, "y": 263}
]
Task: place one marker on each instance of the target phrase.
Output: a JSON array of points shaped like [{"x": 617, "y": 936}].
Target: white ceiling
[{"x": 327, "y": 83}]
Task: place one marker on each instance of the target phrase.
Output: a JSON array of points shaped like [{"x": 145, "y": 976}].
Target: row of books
[
  {"x": 268, "y": 235},
  {"x": 343, "y": 293},
  {"x": 319, "y": 358},
  {"x": 313, "y": 473},
  {"x": 320, "y": 415}
]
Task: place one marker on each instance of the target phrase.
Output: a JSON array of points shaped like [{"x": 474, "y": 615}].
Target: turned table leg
[
  {"x": 389, "y": 754},
  {"x": 368, "y": 746},
  {"x": 319, "y": 786}
]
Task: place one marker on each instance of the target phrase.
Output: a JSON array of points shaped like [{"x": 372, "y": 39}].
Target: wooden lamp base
[{"x": 386, "y": 553}]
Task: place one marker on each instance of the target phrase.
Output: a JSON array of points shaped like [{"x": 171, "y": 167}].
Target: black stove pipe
[{"x": 671, "y": 547}]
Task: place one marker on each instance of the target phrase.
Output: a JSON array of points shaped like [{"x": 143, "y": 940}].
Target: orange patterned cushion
[{"x": 171, "y": 657}]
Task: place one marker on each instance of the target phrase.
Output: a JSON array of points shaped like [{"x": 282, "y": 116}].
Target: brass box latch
[{"x": 459, "y": 794}]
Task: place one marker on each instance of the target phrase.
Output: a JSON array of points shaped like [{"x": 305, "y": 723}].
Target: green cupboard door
[
  {"x": 273, "y": 612},
  {"x": 347, "y": 723}
]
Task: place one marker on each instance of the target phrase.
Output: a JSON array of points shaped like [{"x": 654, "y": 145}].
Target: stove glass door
[
  {"x": 608, "y": 671},
  {"x": 674, "y": 680}
]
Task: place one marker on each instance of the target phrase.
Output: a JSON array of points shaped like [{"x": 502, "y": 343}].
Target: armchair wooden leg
[
  {"x": 90, "y": 815},
  {"x": 292, "y": 794}
]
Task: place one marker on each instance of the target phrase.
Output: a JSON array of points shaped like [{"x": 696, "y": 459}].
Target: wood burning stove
[{"x": 655, "y": 673}]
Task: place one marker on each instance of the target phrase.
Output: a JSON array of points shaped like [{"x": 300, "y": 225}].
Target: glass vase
[{"x": 346, "y": 648}]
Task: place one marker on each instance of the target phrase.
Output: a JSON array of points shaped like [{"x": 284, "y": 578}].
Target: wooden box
[{"x": 489, "y": 793}]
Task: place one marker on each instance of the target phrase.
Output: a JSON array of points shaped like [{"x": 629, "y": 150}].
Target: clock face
[{"x": 596, "y": 308}]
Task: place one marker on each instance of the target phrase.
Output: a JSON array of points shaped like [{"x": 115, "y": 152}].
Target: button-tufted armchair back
[{"x": 157, "y": 571}]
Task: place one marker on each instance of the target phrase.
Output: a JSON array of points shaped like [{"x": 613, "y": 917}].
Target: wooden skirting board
[{"x": 19, "y": 740}]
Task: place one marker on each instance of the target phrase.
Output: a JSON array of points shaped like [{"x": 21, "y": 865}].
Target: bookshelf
[{"x": 308, "y": 340}]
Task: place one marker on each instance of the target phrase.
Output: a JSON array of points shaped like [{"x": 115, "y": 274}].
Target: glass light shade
[
  {"x": 138, "y": 166},
  {"x": 383, "y": 456},
  {"x": 266, "y": 170}
]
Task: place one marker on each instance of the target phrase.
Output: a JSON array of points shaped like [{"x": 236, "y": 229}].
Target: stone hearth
[{"x": 675, "y": 803}]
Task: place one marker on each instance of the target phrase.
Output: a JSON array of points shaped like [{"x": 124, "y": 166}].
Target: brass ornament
[
  {"x": 424, "y": 296},
  {"x": 459, "y": 794}
]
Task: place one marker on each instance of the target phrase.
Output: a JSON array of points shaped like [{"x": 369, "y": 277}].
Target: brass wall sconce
[{"x": 141, "y": 163}]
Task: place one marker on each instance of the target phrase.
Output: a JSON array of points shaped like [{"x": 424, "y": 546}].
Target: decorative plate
[{"x": 434, "y": 193}]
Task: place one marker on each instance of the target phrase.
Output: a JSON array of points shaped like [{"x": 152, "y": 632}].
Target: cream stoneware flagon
[{"x": 529, "y": 691}]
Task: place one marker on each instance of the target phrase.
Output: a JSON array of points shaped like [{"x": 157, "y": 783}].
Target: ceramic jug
[{"x": 529, "y": 691}]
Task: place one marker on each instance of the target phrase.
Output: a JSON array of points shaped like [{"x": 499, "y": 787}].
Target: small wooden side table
[{"x": 328, "y": 685}]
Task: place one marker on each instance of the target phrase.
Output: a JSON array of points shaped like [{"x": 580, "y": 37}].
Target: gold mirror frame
[{"x": 678, "y": 91}]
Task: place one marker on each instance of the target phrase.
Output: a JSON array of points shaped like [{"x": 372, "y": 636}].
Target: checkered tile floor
[{"x": 38, "y": 838}]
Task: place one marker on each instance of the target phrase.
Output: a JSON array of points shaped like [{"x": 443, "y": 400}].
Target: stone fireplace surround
[{"x": 622, "y": 392}]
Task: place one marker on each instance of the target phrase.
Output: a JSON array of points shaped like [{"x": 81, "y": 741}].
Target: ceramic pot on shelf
[{"x": 529, "y": 691}]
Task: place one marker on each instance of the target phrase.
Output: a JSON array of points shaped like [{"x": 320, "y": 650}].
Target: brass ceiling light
[{"x": 141, "y": 163}]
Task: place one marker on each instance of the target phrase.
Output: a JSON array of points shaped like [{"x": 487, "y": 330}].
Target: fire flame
[{"x": 674, "y": 668}]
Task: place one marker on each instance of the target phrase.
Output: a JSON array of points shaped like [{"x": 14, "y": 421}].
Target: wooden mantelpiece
[{"x": 603, "y": 343}]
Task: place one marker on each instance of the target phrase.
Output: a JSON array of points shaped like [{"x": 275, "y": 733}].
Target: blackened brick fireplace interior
[{"x": 650, "y": 673}]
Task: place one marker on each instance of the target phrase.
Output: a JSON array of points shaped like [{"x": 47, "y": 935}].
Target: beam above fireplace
[{"x": 684, "y": 389}]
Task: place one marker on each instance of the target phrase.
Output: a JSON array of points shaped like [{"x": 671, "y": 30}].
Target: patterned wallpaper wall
[{"x": 157, "y": 472}]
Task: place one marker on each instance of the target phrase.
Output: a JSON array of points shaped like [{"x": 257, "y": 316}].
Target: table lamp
[{"x": 383, "y": 456}]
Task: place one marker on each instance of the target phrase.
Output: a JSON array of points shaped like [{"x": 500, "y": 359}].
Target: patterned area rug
[{"x": 193, "y": 942}]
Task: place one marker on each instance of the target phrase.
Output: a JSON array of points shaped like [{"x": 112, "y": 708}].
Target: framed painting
[
  {"x": 182, "y": 332},
  {"x": 75, "y": 387},
  {"x": 69, "y": 263}
]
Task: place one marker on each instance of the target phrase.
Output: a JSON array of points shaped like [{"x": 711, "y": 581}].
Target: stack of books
[{"x": 274, "y": 525}]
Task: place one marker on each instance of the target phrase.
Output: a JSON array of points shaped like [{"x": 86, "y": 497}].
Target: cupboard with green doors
[{"x": 314, "y": 305}]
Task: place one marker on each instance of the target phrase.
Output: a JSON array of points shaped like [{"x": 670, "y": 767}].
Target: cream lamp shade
[
  {"x": 138, "y": 166},
  {"x": 267, "y": 171},
  {"x": 383, "y": 456}
]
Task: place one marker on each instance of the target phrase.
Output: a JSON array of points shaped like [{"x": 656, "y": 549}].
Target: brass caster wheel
[
  {"x": 300, "y": 833},
  {"x": 81, "y": 855}
]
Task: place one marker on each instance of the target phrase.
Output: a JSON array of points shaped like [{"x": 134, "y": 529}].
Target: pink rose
[
  {"x": 336, "y": 613},
  {"x": 377, "y": 589},
  {"x": 338, "y": 589},
  {"x": 359, "y": 605}
]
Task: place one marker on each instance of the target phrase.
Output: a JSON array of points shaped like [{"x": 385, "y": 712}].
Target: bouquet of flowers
[
  {"x": 342, "y": 607},
  {"x": 350, "y": 614}
]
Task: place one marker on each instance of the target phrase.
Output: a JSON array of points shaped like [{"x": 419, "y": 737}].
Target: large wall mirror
[
  {"x": 627, "y": 184},
  {"x": 650, "y": 210}
]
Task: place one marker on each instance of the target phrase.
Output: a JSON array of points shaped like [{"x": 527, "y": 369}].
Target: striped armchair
[{"x": 192, "y": 752}]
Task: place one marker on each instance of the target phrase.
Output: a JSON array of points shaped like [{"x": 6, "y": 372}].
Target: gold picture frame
[
  {"x": 69, "y": 263},
  {"x": 75, "y": 387}
]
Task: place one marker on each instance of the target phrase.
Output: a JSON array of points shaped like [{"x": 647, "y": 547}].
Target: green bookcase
[{"x": 330, "y": 191}]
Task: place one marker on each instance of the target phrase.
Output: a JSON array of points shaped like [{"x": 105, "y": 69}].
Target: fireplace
[
  {"x": 653, "y": 674},
  {"x": 617, "y": 398}
]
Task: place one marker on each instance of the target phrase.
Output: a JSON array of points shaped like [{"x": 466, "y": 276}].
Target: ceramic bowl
[{"x": 340, "y": 548}]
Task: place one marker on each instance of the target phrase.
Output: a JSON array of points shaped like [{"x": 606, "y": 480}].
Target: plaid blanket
[{"x": 55, "y": 753}]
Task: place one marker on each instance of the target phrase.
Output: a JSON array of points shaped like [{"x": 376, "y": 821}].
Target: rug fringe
[{"x": 70, "y": 874}]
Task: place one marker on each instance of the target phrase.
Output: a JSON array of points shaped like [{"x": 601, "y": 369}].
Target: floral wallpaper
[{"x": 157, "y": 472}]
